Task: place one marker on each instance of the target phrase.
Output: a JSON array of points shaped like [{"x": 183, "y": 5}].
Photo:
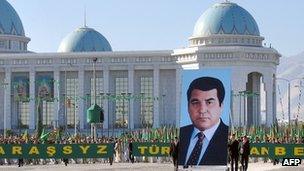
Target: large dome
[
  {"x": 226, "y": 18},
  {"x": 84, "y": 39},
  {"x": 10, "y": 23}
]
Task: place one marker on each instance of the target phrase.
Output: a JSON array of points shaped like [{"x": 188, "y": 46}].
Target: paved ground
[{"x": 260, "y": 166}]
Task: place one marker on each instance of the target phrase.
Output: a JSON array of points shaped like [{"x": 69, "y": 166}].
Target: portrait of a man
[{"x": 204, "y": 140}]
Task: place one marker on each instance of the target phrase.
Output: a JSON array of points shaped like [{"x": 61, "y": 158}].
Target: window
[
  {"x": 71, "y": 100},
  {"x": 24, "y": 114},
  {"x": 121, "y": 103},
  {"x": 146, "y": 107},
  {"x": 2, "y": 44},
  {"x": 48, "y": 113}
]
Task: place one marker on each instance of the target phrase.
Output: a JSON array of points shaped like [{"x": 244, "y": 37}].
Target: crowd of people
[{"x": 238, "y": 149}]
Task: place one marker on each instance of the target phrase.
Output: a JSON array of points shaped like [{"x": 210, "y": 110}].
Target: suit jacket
[
  {"x": 216, "y": 152},
  {"x": 234, "y": 148},
  {"x": 246, "y": 149}
]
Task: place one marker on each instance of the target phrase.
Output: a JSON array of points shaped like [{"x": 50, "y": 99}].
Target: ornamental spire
[{"x": 85, "y": 17}]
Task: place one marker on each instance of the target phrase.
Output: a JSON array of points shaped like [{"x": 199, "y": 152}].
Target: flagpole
[
  {"x": 65, "y": 100},
  {"x": 75, "y": 119},
  {"x": 93, "y": 126},
  {"x": 4, "y": 84}
]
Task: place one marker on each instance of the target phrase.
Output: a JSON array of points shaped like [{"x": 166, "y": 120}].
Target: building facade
[{"x": 136, "y": 89}]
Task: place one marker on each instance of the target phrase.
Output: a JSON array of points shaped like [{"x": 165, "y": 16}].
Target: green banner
[
  {"x": 256, "y": 150},
  {"x": 277, "y": 151},
  {"x": 56, "y": 150},
  {"x": 151, "y": 149}
]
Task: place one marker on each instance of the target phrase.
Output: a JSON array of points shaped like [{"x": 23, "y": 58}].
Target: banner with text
[
  {"x": 56, "y": 150},
  {"x": 151, "y": 149},
  {"x": 277, "y": 151}
]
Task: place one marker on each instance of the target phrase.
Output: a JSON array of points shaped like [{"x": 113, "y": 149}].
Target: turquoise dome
[
  {"x": 84, "y": 39},
  {"x": 10, "y": 23},
  {"x": 225, "y": 18}
]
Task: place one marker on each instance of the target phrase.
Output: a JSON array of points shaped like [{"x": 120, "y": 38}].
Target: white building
[{"x": 137, "y": 88}]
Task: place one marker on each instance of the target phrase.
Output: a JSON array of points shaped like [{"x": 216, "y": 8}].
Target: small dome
[
  {"x": 225, "y": 18},
  {"x": 84, "y": 39},
  {"x": 10, "y": 23}
]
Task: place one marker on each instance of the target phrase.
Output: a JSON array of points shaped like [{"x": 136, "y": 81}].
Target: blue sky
[{"x": 152, "y": 24}]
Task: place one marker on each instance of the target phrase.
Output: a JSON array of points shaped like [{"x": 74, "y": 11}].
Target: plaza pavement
[{"x": 260, "y": 166}]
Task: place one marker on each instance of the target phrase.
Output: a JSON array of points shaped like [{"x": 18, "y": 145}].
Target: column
[
  {"x": 178, "y": 95},
  {"x": 106, "y": 90},
  {"x": 269, "y": 99},
  {"x": 131, "y": 90},
  {"x": 238, "y": 85},
  {"x": 81, "y": 101},
  {"x": 7, "y": 99},
  {"x": 274, "y": 98},
  {"x": 156, "y": 94},
  {"x": 33, "y": 99},
  {"x": 56, "y": 96}
]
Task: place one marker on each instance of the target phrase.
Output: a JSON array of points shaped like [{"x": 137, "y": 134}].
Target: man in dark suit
[
  {"x": 204, "y": 142},
  {"x": 234, "y": 153},
  {"x": 245, "y": 151},
  {"x": 174, "y": 152}
]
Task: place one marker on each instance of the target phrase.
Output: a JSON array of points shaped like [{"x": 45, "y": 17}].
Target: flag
[
  {"x": 44, "y": 136},
  {"x": 25, "y": 136},
  {"x": 58, "y": 135}
]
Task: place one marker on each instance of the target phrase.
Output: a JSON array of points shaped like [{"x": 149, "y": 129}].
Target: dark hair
[{"x": 206, "y": 84}]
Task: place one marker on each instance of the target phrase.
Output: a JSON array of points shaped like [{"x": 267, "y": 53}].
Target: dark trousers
[
  {"x": 234, "y": 163},
  {"x": 175, "y": 162},
  {"x": 111, "y": 160},
  {"x": 174, "y": 158},
  {"x": 244, "y": 162},
  {"x": 131, "y": 157},
  {"x": 276, "y": 161},
  {"x": 20, "y": 162},
  {"x": 66, "y": 161}
]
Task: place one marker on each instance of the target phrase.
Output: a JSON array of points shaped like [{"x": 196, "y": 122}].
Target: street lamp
[
  {"x": 46, "y": 110},
  {"x": 93, "y": 126},
  {"x": 101, "y": 104},
  {"x": 65, "y": 100},
  {"x": 299, "y": 104},
  {"x": 163, "y": 103},
  {"x": 108, "y": 97},
  {"x": 128, "y": 97},
  {"x": 288, "y": 96},
  {"x": 141, "y": 110},
  {"x": 242, "y": 94},
  {"x": 75, "y": 107},
  {"x": 4, "y": 85},
  {"x": 123, "y": 112}
]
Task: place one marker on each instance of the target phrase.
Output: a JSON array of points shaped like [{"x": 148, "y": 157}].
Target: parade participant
[
  {"x": 234, "y": 152},
  {"x": 130, "y": 148},
  {"x": 245, "y": 151},
  {"x": 174, "y": 152}
]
